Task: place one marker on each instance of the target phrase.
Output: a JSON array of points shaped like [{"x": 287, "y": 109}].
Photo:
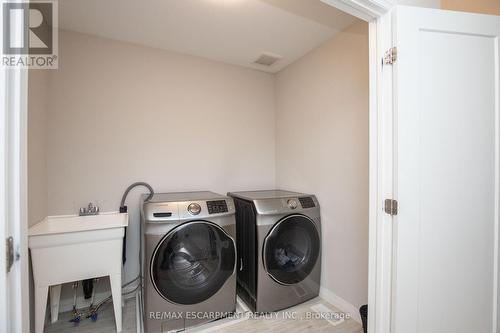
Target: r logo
[{"x": 36, "y": 35}]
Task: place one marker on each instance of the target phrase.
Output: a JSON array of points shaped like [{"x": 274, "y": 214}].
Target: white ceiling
[{"x": 230, "y": 31}]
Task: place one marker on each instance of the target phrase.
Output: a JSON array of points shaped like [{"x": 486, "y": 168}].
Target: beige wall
[
  {"x": 474, "y": 6},
  {"x": 421, "y": 3},
  {"x": 38, "y": 89},
  {"x": 121, "y": 113},
  {"x": 322, "y": 148}
]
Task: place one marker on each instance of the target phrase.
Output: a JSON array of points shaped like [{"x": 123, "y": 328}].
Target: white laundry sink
[
  {"x": 56, "y": 229},
  {"x": 72, "y": 248}
]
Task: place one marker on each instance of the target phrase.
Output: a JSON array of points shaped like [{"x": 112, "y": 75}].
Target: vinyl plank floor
[{"x": 245, "y": 322}]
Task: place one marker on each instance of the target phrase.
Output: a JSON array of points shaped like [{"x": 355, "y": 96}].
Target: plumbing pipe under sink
[{"x": 69, "y": 248}]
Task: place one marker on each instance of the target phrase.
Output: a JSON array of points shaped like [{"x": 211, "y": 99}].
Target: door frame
[
  {"x": 381, "y": 155},
  {"x": 381, "y": 125},
  {"x": 14, "y": 302}
]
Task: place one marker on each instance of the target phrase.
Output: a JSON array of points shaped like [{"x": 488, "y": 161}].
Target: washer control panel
[
  {"x": 217, "y": 206},
  {"x": 167, "y": 208}
]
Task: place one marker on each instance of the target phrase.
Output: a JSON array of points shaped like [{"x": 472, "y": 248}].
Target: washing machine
[
  {"x": 279, "y": 248},
  {"x": 188, "y": 260}
]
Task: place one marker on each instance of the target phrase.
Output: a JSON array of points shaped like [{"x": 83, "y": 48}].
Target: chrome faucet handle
[{"x": 91, "y": 209}]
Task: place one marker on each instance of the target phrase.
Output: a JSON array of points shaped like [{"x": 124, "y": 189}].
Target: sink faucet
[{"x": 91, "y": 209}]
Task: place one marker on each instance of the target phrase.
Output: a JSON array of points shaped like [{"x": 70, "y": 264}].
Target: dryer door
[
  {"x": 192, "y": 262},
  {"x": 291, "y": 249}
]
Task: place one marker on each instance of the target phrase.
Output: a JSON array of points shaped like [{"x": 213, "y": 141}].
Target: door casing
[
  {"x": 375, "y": 12},
  {"x": 381, "y": 155},
  {"x": 14, "y": 301}
]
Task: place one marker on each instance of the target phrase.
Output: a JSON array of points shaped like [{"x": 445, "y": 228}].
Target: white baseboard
[{"x": 340, "y": 303}]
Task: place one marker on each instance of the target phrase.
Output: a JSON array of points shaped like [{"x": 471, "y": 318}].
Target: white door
[{"x": 447, "y": 119}]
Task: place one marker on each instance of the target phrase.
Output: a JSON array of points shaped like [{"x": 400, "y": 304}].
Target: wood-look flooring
[{"x": 243, "y": 324}]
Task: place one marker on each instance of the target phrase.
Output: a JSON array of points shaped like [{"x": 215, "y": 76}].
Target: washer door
[
  {"x": 291, "y": 249},
  {"x": 192, "y": 262}
]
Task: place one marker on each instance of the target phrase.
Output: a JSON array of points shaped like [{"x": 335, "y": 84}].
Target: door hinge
[
  {"x": 391, "y": 207},
  {"x": 9, "y": 250},
  {"x": 390, "y": 56}
]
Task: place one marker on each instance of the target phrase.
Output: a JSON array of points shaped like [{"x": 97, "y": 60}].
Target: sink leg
[
  {"x": 55, "y": 295},
  {"x": 116, "y": 291},
  {"x": 41, "y": 294}
]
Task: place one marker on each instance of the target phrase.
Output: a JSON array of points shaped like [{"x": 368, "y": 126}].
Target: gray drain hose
[
  {"x": 124, "y": 197},
  {"x": 123, "y": 209}
]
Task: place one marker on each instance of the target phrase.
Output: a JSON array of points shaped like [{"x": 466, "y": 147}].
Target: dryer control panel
[{"x": 307, "y": 202}]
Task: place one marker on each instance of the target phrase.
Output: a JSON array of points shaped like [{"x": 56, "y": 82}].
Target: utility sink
[
  {"x": 73, "y": 248},
  {"x": 63, "y": 224}
]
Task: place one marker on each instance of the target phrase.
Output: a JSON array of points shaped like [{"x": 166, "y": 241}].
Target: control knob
[
  {"x": 194, "y": 209},
  {"x": 292, "y": 204}
]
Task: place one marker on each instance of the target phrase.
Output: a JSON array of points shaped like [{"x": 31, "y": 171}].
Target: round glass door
[
  {"x": 192, "y": 262},
  {"x": 291, "y": 249}
]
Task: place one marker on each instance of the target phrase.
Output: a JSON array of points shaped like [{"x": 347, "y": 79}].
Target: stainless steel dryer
[
  {"x": 188, "y": 261},
  {"x": 279, "y": 248}
]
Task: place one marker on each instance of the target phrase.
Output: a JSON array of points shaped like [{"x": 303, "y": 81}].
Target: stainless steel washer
[
  {"x": 189, "y": 260},
  {"x": 279, "y": 248}
]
